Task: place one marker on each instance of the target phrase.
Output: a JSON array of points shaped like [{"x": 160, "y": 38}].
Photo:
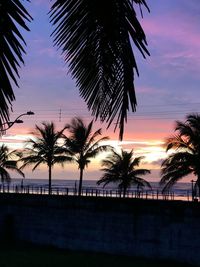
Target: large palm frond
[
  {"x": 178, "y": 142},
  {"x": 95, "y": 37},
  {"x": 12, "y": 13},
  {"x": 32, "y": 159}
]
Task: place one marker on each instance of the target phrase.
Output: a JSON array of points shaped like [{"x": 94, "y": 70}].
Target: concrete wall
[{"x": 147, "y": 228}]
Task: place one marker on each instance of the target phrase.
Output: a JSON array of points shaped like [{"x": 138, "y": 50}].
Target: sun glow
[{"x": 152, "y": 151}]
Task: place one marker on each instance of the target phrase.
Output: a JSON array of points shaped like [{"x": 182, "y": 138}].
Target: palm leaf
[
  {"x": 141, "y": 182},
  {"x": 12, "y": 13},
  {"x": 172, "y": 178},
  {"x": 95, "y": 37},
  {"x": 7, "y": 164},
  {"x": 5, "y": 176}
]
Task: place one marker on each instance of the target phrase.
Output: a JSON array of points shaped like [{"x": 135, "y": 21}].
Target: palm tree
[
  {"x": 45, "y": 149},
  {"x": 120, "y": 168},
  {"x": 12, "y": 13},
  {"x": 185, "y": 158},
  {"x": 7, "y": 163},
  {"x": 95, "y": 37},
  {"x": 82, "y": 144}
]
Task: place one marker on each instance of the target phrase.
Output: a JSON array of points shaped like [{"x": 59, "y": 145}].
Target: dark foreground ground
[{"x": 29, "y": 256}]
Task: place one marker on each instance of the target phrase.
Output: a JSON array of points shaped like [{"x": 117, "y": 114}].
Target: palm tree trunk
[
  {"x": 80, "y": 182},
  {"x": 124, "y": 191},
  {"x": 50, "y": 179}
]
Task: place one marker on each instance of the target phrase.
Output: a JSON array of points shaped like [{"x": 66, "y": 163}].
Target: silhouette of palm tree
[
  {"x": 120, "y": 168},
  {"x": 185, "y": 158},
  {"x": 95, "y": 37},
  {"x": 12, "y": 13},
  {"x": 45, "y": 149},
  {"x": 7, "y": 163},
  {"x": 82, "y": 145}
]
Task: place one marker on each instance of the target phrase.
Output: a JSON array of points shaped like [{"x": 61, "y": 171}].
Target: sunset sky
[{"x": 167, "y": 89}]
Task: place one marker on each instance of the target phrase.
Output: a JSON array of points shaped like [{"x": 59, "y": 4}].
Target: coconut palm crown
[
  {"x": 185, "y": 158},
  {"x": 8, "y": 163},
  {"x": 45, "y": 149},
  {"x": 121, "y": 168},
  {"x": 82, "y": 144}
]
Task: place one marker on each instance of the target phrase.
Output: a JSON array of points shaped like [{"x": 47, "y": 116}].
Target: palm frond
[
  {"x": 32, "y": 160},
  {"x": 139, "y": 172},
  {"x": 141, "y": 182},
  {"x": 175, "y": 167},
  {"x": 12, "y": 13},
  {"x": 6, "y": 163},
  {"x": 61, "y": 159},
  {"x": 12, "y": 165},
  {"x": 178, "y": 142},
  {"x": 95, "y": 37},
  {"x": 136, "y": 161},
  {"x": 172, "y": 178},
  {"x": 5, "y": 176},
  {"x": 97, "y": 148},
  {"x": 107, "y": 178}
]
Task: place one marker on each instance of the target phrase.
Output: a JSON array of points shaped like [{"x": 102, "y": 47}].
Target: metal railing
[{"x": 186, "y": 195}]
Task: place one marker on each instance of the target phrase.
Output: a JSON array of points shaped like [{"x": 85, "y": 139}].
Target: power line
[{"x": 60, "y": 115}]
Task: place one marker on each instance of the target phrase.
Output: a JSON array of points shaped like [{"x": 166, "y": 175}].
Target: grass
[{"x": 28, "y": 256}]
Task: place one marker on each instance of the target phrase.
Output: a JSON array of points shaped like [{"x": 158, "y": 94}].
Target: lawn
[{"x": 49, "y": 257}]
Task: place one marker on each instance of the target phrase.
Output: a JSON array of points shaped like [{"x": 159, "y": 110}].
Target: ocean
[{"x": 180, "y": 191}]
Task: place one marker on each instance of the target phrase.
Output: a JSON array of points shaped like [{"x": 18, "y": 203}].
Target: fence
[{"x": 94, "y": 192}]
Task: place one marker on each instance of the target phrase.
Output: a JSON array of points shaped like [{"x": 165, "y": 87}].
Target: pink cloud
[{"x": 175, "y": 38}]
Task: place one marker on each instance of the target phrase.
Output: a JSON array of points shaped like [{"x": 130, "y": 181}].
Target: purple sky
[{"x": 167, "y": 89}]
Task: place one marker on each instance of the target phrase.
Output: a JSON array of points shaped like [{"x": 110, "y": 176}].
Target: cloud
[
  {"x": 174, "y": 40},
  {"x": 157, "y": 162}
]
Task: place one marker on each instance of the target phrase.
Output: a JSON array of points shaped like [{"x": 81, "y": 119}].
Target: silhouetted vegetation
[
  {"x": 120, "y": 168},
  {"x": 12, "y": 14},
  {"x": 8, "y": 161},
  {"x": 45, "y": 149},
  {"x": 95, "y": 37},
  {"x": 185, "y": 156},
  {"x": 82, "y": 145}
]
